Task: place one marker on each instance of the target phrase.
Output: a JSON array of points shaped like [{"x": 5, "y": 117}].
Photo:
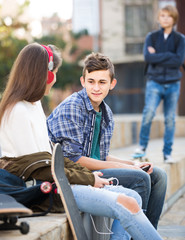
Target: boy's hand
[
  {"x": 151, "y": 49},
  {"x": 100, "y": 182},
  {"x": 146, "y": 164}
]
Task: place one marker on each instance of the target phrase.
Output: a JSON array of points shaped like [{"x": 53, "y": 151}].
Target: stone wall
[{"x": 127, "y": 128}]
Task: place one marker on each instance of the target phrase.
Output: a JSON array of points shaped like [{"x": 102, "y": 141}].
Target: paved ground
[{"x": 172, "y": 223}]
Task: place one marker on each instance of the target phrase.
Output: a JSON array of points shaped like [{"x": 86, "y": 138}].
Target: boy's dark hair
[
  {"x": 96, "y": 62},
  {"x": 172, "y": 12}
]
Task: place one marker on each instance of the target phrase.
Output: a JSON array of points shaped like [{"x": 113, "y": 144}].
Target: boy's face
[
  {"x": 97, "y": 85},
  {"x": 165, "y": 20}
]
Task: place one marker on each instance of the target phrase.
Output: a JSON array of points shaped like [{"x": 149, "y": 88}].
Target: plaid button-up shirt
[{"x": 72, "y": 125}]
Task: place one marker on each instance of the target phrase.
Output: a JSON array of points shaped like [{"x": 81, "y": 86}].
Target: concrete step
[
  {"x": 127, "y": 128},
  {"x": 50, "y": 227}
]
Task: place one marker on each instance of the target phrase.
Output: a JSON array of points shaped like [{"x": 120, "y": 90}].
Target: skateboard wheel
[
  {"x": 24, "y": 228},
  {"x": 46, "y": 187},
  {"x": 13, "y": 220}
]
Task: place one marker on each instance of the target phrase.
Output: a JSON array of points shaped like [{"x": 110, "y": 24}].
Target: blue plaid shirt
[{"x": 72, "y": 125}]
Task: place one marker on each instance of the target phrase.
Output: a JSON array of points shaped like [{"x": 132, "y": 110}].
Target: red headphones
[{"x": 50, "y": 64}]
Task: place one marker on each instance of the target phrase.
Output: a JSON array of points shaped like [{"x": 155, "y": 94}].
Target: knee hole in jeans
[{"x": 129, "y": 203}]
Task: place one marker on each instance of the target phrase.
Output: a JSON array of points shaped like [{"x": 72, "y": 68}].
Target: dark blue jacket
[{"x": 163, "y": 66}]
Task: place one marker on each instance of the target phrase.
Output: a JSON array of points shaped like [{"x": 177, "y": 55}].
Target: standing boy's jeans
[
  {"x": 156, "y": 92},
  {"x": 103, "y": 202}
]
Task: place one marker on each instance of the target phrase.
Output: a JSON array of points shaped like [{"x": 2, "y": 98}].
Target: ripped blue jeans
[{"x": 103, "y": 202}]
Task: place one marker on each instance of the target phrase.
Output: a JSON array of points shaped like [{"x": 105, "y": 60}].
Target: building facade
[{"x": 123, "y": 25}]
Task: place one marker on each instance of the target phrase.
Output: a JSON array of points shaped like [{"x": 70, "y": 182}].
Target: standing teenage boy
[
  {"x": 164, "y": 54},
  {"x": 83, "y": 124}
]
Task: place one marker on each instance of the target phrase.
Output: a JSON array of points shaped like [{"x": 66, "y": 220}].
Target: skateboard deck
[
  {"x": 138, "y": 156},
  {"x": 10, "y": 210},
  {"x": 66, "y": 194}
]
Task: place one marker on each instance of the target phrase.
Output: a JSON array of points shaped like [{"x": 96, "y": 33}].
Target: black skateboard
[
  {"x": 10, "y": 211},
  {"x": 66, "y": 194}
]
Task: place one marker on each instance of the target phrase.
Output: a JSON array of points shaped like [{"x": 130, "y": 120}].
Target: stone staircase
[{"x": 55, "y": 226}]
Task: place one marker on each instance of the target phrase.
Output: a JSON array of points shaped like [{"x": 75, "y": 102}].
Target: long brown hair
[{"x": 28, "y": 77}]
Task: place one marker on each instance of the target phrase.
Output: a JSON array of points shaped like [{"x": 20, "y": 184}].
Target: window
[{"x": 138, "y": 22}]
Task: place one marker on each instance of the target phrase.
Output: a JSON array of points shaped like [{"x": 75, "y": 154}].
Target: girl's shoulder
[
  {"x": 21, "y": 106},
  {"x": 24, "y": 107}
]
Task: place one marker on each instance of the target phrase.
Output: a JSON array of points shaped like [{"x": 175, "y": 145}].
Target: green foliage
[
  {"x": 68, "y": 74},
  {"x": 56, "y": 40},
  {"x": 74, "y": 48},
  {"x": 10, "y": 46},
  {"x": 45, "y": 104},
  {"x": 83, "y": 54},
  {"x": 79, "y": 34},
  {"x": 9, "y": 49},
  {"x": 22, "y": 7}
]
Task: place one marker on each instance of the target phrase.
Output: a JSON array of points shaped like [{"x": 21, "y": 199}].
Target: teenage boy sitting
[{"x": 83, "y": 125}]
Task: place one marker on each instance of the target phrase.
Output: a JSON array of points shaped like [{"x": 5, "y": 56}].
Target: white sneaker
[
  {"x": 139, "y": 150},
  {"x": 168, "y": 159}
]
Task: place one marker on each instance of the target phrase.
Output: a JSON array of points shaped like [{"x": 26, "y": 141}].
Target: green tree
[
  {"x": 68, "y": 74},
  {"x": 10, "y": 45},
  {"x": 56, "y": 40},
  {"x": 9, "y": 49}
]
